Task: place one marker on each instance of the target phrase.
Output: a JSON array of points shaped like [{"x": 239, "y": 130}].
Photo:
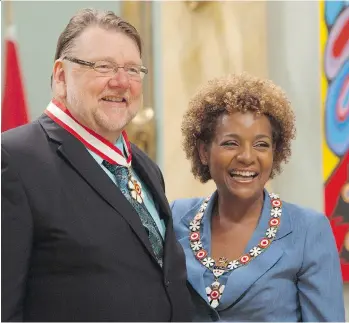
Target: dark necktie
[{"x": 121, "y": 174}]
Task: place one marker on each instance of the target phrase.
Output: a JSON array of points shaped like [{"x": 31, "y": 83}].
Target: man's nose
[{"x": 120, "y": 79}]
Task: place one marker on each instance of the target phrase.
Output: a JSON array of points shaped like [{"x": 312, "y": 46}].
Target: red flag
[{"x": 14, "y": 108}]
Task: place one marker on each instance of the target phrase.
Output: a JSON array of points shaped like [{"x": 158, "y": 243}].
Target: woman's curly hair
[{"x": 238, "y": 92}]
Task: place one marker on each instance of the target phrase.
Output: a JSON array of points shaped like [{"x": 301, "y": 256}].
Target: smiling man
[{"x": 86, "y": 228}]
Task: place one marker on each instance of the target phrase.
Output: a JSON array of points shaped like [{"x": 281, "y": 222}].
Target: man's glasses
[{"x": 107, "y": 68}]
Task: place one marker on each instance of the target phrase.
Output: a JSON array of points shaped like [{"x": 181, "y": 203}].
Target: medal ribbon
[{"x": 92, "y": 140}]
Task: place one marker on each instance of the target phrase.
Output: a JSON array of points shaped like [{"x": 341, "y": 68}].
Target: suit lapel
[
  {"x": 152, "y": 180},
  {"x": 77, "y": 156},
  {"x": 241, "y": 279}
]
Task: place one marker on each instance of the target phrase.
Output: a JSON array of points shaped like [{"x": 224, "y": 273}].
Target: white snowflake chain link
[
  {"x": 194, "y": 226},
  {"x": 276, "y": 212},
  {"x": 196, "y": 245},
  {"x": 208, "y": 262},
  {"x": 255, "y": 251},
  {"x": 271, "y": 232}
]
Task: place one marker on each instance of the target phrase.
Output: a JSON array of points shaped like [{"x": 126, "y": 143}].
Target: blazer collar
[
  {"x": 194, "y": 269},
  {"x": 77, "y": 156},
  {"x": 241, "y": 279},
  {"x": 284, "y": 229}
]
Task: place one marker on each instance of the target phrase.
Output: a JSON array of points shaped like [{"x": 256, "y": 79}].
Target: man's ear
[
  {"x": 203, "y": 152},
  {"x": 59, "y": 80}
]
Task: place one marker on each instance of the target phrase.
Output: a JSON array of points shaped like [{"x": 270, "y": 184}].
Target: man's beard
[{"x": 96, "y": 119}]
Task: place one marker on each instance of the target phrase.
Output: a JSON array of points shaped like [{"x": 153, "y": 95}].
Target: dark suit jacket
[{"x": 73, "y": 248}]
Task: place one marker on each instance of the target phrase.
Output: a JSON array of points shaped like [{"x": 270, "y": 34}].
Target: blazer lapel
[
  {"x": 241, "y": 279},
  {"x": 76, "y": 154},
  {"x": 195, "y": 270}
]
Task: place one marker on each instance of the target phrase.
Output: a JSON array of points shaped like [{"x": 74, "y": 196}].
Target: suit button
[{"x": 167, "y": 283}]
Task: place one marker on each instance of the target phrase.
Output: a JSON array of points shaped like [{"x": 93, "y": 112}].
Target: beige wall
[{"x": 214, "y": 39}]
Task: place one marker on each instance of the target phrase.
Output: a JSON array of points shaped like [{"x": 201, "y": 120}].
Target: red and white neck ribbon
[{"x": 92, "y": 140}]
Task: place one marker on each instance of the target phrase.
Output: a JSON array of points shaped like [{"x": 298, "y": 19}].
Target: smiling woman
[
  {"x": 243, "y": 146},
  {"x": 251, "y": 256},
  {"x": 239, "y": 93}
]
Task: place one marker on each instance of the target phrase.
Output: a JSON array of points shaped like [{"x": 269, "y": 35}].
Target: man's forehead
[{"x": 98, "y": 43}]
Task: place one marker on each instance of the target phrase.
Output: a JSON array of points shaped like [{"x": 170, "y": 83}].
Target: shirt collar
[{"x": 118, "y": 144}]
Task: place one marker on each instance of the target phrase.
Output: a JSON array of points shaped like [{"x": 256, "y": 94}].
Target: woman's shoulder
[
  {"x": 183, "y": 206},
  {"x": 186, "y": 203},
  {"x": 304, "y": 216}
]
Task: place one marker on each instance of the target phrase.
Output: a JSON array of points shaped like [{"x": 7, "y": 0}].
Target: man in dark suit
[{"x": 86, "y": 228}]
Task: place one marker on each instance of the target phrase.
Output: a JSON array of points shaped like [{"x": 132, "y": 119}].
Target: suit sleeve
[
  {"x": 16, "y": 241},
  {"x": 161, "y": 179},
  {"x": 320, "y": 281}
]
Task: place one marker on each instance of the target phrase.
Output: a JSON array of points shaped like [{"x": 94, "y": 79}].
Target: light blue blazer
[{"x": 298, "y": 278}]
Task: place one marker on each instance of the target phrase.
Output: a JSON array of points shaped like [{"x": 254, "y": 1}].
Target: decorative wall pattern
[{"x": 335, "y": 104}]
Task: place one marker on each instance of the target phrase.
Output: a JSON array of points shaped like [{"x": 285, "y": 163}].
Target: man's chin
[{"x": 114, "y": 125}]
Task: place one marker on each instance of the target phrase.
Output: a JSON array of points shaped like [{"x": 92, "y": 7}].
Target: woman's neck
[{"x": 236, "y": 210}]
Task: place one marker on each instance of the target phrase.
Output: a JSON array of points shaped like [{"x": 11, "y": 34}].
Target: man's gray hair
[{"x": 91, "y": 17}]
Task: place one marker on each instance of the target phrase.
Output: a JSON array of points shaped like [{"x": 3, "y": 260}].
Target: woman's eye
[
  {"x": 262, "y": 144},
  {"x": 229, "y": 143}
]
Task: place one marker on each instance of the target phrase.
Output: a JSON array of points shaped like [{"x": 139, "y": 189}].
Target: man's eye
[
  {"x": 133, "y": 69},
  {"x": 104, "y": 66}
]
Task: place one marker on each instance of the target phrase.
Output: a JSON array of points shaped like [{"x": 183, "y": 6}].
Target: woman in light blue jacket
[{"x": 251, "y": 256}]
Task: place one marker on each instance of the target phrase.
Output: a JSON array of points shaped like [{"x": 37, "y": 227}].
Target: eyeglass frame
[{"x": 143, "y": 69}]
